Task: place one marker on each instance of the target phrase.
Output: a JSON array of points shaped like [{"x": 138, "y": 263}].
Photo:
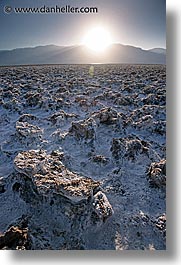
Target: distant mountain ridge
[
  {"x": 52, "y": 54},
  {"x": 158, "y": 50}
]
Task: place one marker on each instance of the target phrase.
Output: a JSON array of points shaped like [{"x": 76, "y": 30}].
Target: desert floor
[{"x": 83, "y": 157}]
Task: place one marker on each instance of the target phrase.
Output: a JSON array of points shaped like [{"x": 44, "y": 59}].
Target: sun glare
[{"x": 97, "y": 39}]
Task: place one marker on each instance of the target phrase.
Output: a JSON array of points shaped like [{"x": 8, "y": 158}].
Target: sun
[{"x": 97, "y": 39}]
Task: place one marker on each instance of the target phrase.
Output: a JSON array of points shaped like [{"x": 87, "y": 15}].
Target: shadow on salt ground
[{"x": 172, "y": 220}]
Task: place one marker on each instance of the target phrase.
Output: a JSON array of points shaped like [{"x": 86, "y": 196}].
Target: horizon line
[{"x": 76, "y": 45}]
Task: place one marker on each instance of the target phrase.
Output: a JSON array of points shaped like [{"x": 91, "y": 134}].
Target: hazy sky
[{"x": 135, "y": 22}]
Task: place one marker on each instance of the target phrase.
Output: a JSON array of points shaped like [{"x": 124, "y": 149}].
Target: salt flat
[{"x": 83, "y": 157}]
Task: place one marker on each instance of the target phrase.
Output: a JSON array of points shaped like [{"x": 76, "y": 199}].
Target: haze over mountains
[
  {"x": 158, "y": 50},
  {"x": 52, "y": 54}
]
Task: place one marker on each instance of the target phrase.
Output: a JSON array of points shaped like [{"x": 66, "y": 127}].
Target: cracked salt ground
[{"x": 82, "y": 160}]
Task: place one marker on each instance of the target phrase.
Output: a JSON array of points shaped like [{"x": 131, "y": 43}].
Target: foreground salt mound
[
  {"x": 25, "y": 129},
  {"x": 50, "y": 176},
  {"x": 27, "y": 118},
  {"x": 157, "y": 173},
  {"x": 161, "y": 223},
  {"x": 129, "y": 148},
  {"x": 102, "y": 206},
  {"x": 87, "y": 129},
  {"x": 14, "y": 238},
  {"x": 84, "y": 129},
  {"x": 61, "y": 117},
  {"x": 107, "y": 116}
]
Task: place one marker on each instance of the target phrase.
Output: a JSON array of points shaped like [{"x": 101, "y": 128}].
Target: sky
[{"x": 140, "y": 23}]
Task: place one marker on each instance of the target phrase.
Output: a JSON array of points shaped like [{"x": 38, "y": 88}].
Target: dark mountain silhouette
[{"x": 52, "y": 54}]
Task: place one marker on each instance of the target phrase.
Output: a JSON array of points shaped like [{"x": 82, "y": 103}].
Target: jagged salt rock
[
  {"x": 26, "y": 129},
  {"x": 102, "y": 206}
]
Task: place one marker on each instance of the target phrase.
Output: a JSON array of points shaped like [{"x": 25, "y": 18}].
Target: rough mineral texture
[
  {"x": 49, "y": 175},
  {"x": 14, "y": 238},
  {"x": 157, "y": 173},
  {"x": 82, "y": 157}
]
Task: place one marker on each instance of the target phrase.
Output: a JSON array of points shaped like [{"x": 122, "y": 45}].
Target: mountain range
[{"x": 79, "y": 54}]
